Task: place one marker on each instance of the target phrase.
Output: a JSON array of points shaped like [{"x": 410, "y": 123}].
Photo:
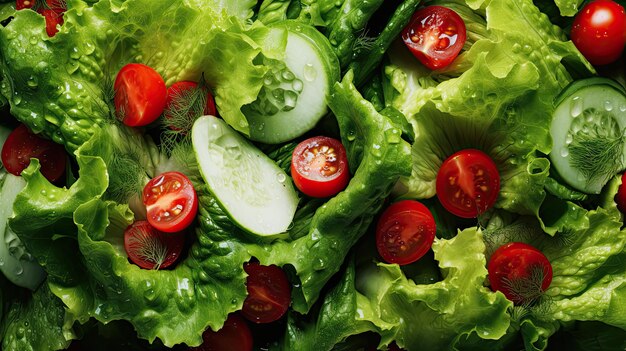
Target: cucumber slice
[
  {"x": 255, "y": 193},
  {"x": 588, "y": 126},
  {"x": 293, "y": 98}
]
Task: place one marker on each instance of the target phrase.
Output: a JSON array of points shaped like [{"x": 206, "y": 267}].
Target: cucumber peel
[
  {"x": 588, "y": 132},
  {"x": 255, "y": 193}
]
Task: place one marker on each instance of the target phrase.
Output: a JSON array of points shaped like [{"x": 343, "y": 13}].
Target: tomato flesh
[
  {"x": 269, "y": 293},
  {"x": 405, "y": 232},
  {"x": 150, "y": 248},
  {"x": 22, "y": 145},
  {"x": 599, "y": 31},
  {"x": 514, "y": 262},
  {"x": 468, "y": 183},
  {"x": 435, "y": 35},
  {"x": 171, "y": 202},
  {"x": 235, "y": 335},
  {"x": 140, "y": 95},
  {"x": 319, "y": 167}
]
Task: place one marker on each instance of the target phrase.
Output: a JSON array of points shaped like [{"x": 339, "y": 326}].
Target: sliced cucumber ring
[
  {"x": 293, "y": 98},
  {"x": 588, "y": 126},
  {"x": 255, "y": 193}
]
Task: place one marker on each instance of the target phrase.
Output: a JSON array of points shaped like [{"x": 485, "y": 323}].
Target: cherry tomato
[
  {"x": 53, "y": 14},
  {"x": 140, "y": 95},
  {"x": 22, "y": 145},
  {"x": 516, "y": 261},
  {"x": 150, "y": 248},
  {"x": 599, "y": 31},
  {"x": 319, "y": 167},
  {"x": 435, "y": 35},
  {"x": 171, "y": 202},
  {"x": 620, "y": 197},
  {"x": 269, "y": 293},
  {"x": 176, "y": 93},
  {"x": 24, "y": 4},
  {"x": 235, "y": 335},
  {"x": 405, "y": 232},
  {"x": 468, "y": 183}
]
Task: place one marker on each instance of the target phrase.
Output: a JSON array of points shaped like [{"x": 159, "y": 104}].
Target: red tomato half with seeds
[
  {"x": 150, "y": 248},
  {"x": 435, "y": 35},
  {"x": 235, "y": 335},
  {"x": 405, "y": 232},
  {"x": 319, "y": 167},
  {"x": 599, "y": 31},
  {"x": 468, "y": 183},
  {"x": 22, "y": 145},
  {"x": 520, "y": 271},
  {"x": 171, "y": 202},
  {"x": 140, "y": 95},
  {"x": 269, "y": 293}
]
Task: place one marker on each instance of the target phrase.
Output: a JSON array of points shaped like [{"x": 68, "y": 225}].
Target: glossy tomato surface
[
  {"x": 182, "y": 91},
  {"x": 468, "y": 183},
  {"x": 53, "y": 13},
  {"x": 620, "y": 197},
  {"x": 171, "y": 202},
  {"x": 435, "y": 35},
  {"x": 405, "y": 232},
  {"x": 22, "y": 145},
  {"x": 140, "y": 95},
  {"x": 599, "y": 31},
  {"x": 150, "y": 248},
  {"x": 513, "y": 268},
  {"x": 235, "y": 335},
  {"x": 269, "y": 293},
  {"x": 319, "y": 167}
]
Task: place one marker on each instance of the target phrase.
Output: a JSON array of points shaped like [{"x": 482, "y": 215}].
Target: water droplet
[
  {"x": 32, "y": 82},
  {"x": 19, "y": 270},
  {"x": 310, "y": 73},
  {"x": 392, "y": 136},
  {"x": 297, "y": 85},
  {"x": 351, "y": 135},
  {"x": 281, "y": 177},
  {"x": 569, "y": 138},
  {"x": 376, "y": 150},
  {"x": 261, "y": 126},
  {"x": 291, "y": 99},
  {"x": 319, "y": 264},
  {"x": 576, "y": 106},
  {"x": 622, "y": 108},
  {"x": 608, "y": 105}
]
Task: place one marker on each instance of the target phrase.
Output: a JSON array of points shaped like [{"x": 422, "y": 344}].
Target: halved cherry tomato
[
  {"x": 52, "y": 10},
  {"x": 171, "y": 202},
  {"x": 468, "y": 183},
  {"x": 22, "y": 145},
  {"x": 319, "y": 167},
  {"x": 405, "y": 232},
  {"x": 140, "y": 95},
  {"x": 599, "y": 31},
  {"x": 435, "y": 35},
  {"x": 150, "y": 248},
  {"x": 178, "y": 93},
  {"x": 512, "y": 268},
  {"x": 235, "y": 335},
  {"x": 269, "y": 293}
]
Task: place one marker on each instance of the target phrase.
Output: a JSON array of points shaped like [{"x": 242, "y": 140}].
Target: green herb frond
[
  {"x": 186, "y": 106},
  {"x": 149, "y": 247},
  {"x": 126, "y": 177},
  {"x": 363, "y": 43},
  {"x": 527, "y": 291},
  {"x": 596, "y": 155}
]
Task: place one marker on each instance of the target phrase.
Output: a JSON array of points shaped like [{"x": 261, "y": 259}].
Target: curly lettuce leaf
[
  {"x": 62, "y": 86},
  {"x": 496, "y": 96}
]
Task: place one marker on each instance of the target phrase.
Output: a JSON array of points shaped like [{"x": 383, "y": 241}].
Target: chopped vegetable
[
  {"x": 140, "y": 95},
  {"x": 171, "y": 202}
]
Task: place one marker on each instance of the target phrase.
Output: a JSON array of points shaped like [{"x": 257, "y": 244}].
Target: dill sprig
[
  {"x": 149, "y": 247},
  {"x": 597, "y": 150},
  {"x": 527, "y": 291},
  {"x": 363, "y": 43},
  {"x": 186, "y": 106}
]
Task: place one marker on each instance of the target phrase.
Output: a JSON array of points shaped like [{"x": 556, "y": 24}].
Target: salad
[{"x": 312, "y": 175}]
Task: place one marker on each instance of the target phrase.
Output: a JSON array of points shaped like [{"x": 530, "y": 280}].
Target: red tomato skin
[
  {"x": 163, "y": 193},
  {"x": 435, "y": 35},
  {"x": 22, "y": 145},
  {"x": 620, "y": 197},
  {"x": 514, "y": 261},
  {"x": 599, "y": 31},
  {"x": 307, "y": 174},
  {"x": 235, "y": 335},
  {"x": 53, "y": 15},
  {"x": 140, "y": 95},
  {"x": 408, "y": 221},
  {"x": 173, "y": 242},
  {"x": 269, "y": 293},
  {"x": 184, "y": 85},
  {"x": 467, "y": 167}
]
